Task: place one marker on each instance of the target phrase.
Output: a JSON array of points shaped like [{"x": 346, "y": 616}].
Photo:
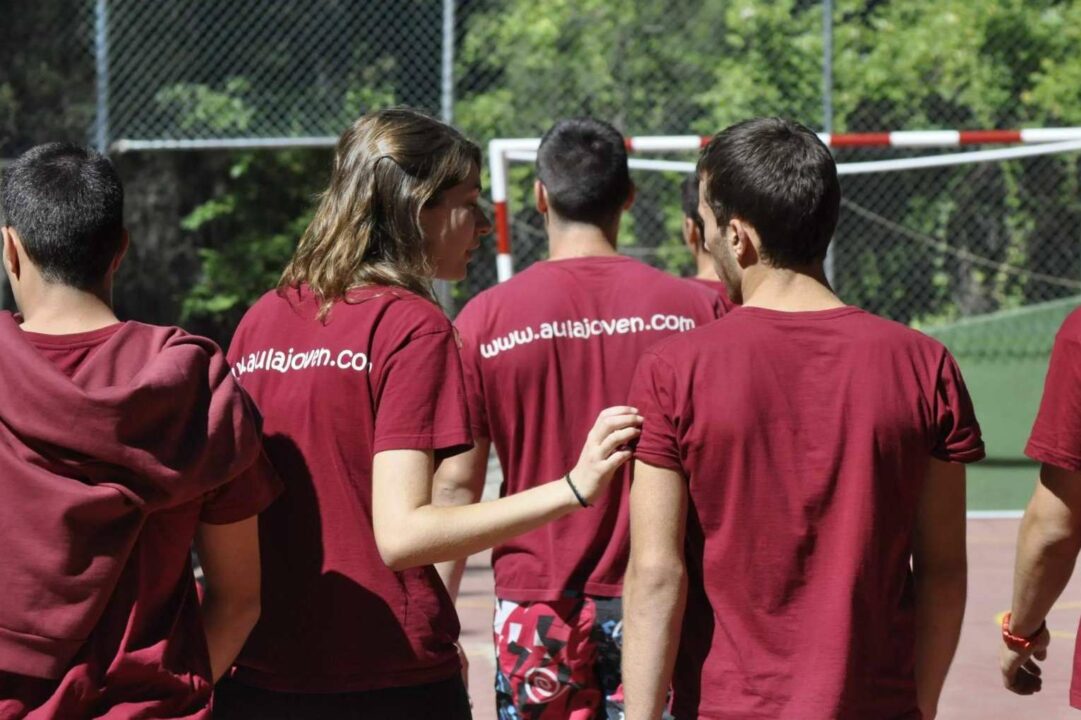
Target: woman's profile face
[{"x": 452, "y": 227}]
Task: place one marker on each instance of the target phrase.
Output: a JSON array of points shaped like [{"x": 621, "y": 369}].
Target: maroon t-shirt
[
  {"x": 805, "y": 439},
  {"x": 718, "y": 287},
  {"x": 544, "y": 353},
  {"x": 147, "y": 654},
  {"x": 381, "y": 373},
  {"x": 1056, "y": 434}
]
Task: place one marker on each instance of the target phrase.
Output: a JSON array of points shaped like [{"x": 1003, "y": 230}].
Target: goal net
[{"x": 929, "y": 234}]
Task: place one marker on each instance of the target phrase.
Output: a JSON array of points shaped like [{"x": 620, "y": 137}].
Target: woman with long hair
[{"x": 355, "y": 369}]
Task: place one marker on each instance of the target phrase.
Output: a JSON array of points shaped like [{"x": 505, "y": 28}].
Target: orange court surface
[{"x": 973, "y": 690}]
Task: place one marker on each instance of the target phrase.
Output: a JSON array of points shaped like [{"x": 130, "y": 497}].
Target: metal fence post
[
  {"x": 827, "y": 97},
  {"x": 442, "y": 287},
  {"x": 447, "y": 85},
  {"x": 101, "y": 64}
]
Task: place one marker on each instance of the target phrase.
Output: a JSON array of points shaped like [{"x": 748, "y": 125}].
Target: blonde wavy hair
[{"x": 366, "y": 231}]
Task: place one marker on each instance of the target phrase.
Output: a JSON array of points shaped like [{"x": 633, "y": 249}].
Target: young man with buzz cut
[
  {"x": 694, "y": 237},
  {"x": 120, "y": 443},
  {"x": 543, "y": 353},
  {"x": 798, "y": 500}
]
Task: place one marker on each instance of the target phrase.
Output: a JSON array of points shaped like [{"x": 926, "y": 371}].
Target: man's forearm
[
  {"x": 1045, "y": 561},
  {"x": 940, "y": 608},
  {"x": 450, "y": 572},
  {"x": 227, "y": 626},
  {"x": 654, "y": 601},
  {"x": 451, "y": 495},
  {"x": 459, "y": 481}
]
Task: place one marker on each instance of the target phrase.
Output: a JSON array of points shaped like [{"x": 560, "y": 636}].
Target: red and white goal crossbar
[{"x": 1052, "y": 140}]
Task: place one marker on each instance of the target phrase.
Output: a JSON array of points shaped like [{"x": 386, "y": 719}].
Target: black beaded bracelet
[{"x": 581, "y": 500}]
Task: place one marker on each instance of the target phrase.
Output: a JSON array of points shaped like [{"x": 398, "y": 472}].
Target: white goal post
[{"x": 1033, "y": 141}]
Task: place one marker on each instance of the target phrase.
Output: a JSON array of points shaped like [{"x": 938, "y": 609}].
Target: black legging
[{"x": 446, "y": 700}]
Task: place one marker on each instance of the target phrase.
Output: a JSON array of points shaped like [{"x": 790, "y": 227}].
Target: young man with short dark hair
[
  {"x": 796, "y": 457},
  {"x": 542, "y": 353},
  {"x": 120, "y": 443},
  {"x": 694, "y": 237}
]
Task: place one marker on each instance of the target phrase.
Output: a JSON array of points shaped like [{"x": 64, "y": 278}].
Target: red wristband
[{"x": 1017, "y": 642}]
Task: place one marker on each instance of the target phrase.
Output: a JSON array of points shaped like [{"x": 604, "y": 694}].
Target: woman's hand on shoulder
[{"x": 605, "y": 450}]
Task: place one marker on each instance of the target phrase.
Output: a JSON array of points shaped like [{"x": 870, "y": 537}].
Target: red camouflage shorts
[{"x": 559, "y": 660}]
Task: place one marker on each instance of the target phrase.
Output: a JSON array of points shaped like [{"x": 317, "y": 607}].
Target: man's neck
[
  {"x": 706, "y": 271},
  {"x": 789, "y": 290},
  {"x": 567, "y": 241},
  {"x": 64, "y": 310}
]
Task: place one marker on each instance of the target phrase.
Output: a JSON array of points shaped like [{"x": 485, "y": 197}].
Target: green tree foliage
[
  {"x": 928, "y": 249},
  {"x": 46, "y": 75},
  {"x": 959, "y": 63},
  {"x": 248, "y": 233},
  {"x": 649, "y": 66},
  {"x": 46, "y": 81},
  {"x": 272, "y": 68},
  {"x": 248, "y": 229}
]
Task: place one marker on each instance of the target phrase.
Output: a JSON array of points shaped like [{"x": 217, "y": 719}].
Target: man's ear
[
  {"x": 744, "y": 242},
  {"x": 12, "y": 247},
  {"x": 631, "y": 193},
  {"x": 690, "y": 235},
  {"x": 540, "y": 197},
  {"x": 121, "y": 252}
]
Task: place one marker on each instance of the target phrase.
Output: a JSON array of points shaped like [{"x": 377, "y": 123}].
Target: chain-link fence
[
  {"x": 929, "y": 247},
  {"x": 197, "y": 73},
  {"x": 936, "y": 246}
]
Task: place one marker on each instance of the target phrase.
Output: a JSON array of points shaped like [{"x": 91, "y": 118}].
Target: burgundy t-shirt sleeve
[
  {"x": 420, "y": 398},
  {"x": 957, "y": 433},
  {"x": 247, "y": 494},
  {"x": 652, "y": 393},
  {"x": 1056, "y": 434}
]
